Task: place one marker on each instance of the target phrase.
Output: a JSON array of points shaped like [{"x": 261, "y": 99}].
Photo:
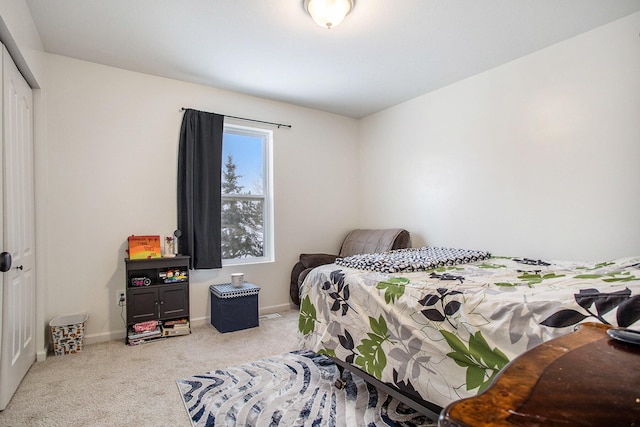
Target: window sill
[{"x": 251, "y": 261}]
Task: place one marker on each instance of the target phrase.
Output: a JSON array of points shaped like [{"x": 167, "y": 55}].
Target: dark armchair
[{"x": 356, "y": 242}]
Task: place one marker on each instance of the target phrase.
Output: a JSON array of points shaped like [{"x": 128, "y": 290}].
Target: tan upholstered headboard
[{"x": 373, "y": 241}]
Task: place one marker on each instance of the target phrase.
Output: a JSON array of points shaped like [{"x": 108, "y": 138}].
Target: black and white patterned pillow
[{"x": 412, "y": 259}]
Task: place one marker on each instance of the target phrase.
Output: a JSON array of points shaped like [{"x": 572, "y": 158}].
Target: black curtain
[{"x": 199, "y": 180}]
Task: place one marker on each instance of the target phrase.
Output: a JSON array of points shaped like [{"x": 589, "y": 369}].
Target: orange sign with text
[{"x": 144, "y": 247}]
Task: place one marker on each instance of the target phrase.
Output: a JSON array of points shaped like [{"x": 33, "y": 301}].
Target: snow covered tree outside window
[{"x": 246, "y": 227}]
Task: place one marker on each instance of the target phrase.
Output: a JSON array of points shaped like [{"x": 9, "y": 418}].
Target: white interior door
[{"x": 17, "y": 348}]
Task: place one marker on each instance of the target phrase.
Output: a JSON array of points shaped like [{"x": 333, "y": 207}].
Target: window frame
[{"x": 267, "y": 197}]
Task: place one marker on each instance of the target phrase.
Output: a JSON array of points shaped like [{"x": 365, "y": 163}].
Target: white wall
[
  {"x": 538, "y": 157},
  {"x": 112, "y": 158}
]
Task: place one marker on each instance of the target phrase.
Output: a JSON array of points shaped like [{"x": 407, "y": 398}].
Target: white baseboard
[
  {"x": 275, "y": 309},
  {"x": 199, "y": 321},
  {"x": 41, "y": 355},
  {"x": 105, "y": 336},
  {"x": 195, "y": 321}
]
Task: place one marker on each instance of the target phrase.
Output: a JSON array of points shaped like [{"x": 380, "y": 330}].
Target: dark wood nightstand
[
  {"x": 157, "y": 290},
  {"x": 584, "y": 378}
]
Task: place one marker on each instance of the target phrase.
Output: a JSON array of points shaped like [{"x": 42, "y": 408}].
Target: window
[{"x": 247, "y": 207}]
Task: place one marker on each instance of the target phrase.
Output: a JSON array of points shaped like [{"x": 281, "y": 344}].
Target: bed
[{"x": 438, "y": 328}]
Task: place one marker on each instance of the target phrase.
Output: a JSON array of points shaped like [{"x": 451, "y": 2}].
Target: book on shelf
[
  {"x": 133, "y": 335},
  {"x": 145, "y": 340},
  {"x": 168, "y": 328},
  {"x": 176, "y": 324},
  {"x": 182, "y": 326},
  {"x": 176, "y": 327},
  {"x": 135, "y": 338},
  {"x": 171, "y": 332}
]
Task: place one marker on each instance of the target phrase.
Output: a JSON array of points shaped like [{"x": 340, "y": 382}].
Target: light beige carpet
[{"x": 112, "y": 384}]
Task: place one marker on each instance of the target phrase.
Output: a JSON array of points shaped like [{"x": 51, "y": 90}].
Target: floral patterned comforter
[{"x": 444, "y": 334}]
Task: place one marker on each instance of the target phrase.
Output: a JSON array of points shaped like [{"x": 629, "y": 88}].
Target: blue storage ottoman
[{"x": 233, "y": 309}]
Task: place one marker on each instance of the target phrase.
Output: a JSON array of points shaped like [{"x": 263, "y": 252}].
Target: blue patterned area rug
[{"x": 294, "y": 389}]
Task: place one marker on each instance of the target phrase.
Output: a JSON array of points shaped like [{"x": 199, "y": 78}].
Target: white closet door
[{"x": 17, "y": 351}]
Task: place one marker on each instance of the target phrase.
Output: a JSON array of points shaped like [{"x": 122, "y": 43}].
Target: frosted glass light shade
[{"x": 328, "y": 13}]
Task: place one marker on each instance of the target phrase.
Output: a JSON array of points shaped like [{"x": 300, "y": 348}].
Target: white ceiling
[{"x": 385, "y": 52}]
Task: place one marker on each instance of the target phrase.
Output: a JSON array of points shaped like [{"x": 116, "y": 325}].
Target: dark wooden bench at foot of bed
[{"x": 584, "y": 378}]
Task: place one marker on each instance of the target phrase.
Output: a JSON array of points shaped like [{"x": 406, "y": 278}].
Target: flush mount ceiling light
[{"x": 328, "y": 13}]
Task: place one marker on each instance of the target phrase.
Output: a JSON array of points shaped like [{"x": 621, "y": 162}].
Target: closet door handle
[{"x": 5, "y": 262}]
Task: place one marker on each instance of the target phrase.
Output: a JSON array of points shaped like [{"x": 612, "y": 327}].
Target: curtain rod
[{"x": 253, "y": 120}]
